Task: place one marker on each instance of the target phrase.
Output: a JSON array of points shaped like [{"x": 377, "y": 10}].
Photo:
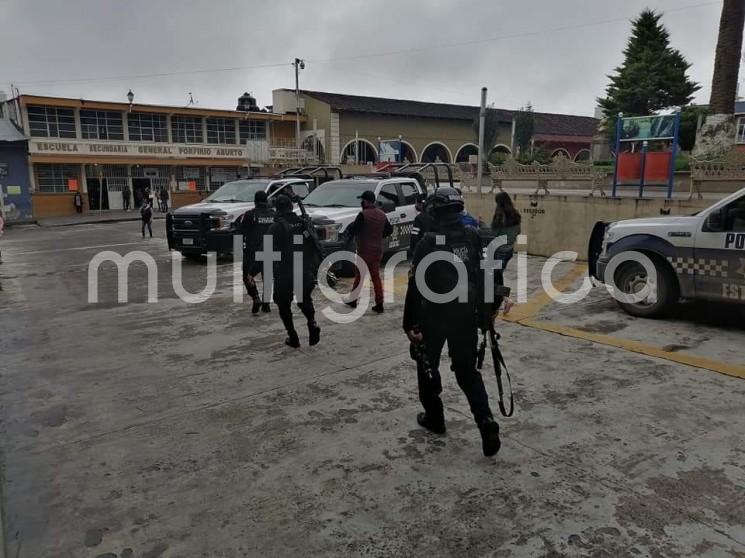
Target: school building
[{"x": 98, "y": 148}]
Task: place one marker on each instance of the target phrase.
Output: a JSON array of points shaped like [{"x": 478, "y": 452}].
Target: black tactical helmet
[{"x": 446, "y": 200}]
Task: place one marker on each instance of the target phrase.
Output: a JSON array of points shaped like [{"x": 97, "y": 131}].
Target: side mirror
[
  {"x": 715, "y": 221},
  {"x": 386, "y": 205}
]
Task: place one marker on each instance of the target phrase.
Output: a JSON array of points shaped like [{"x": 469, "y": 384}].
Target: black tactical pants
[
  {"x": 283, "y": 294},
  {"x": 250, "y": 267},
  {"x": 456, "y": 324}
]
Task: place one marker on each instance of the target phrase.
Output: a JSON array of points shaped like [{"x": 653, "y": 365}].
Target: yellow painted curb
[{"x": 735, "y": 370}]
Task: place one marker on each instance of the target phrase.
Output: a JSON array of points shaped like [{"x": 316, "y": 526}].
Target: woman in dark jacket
[{"x": 505, "y": 223}]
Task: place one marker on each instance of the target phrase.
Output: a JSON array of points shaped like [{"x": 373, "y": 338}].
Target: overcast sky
[{"x": 555, "y": 54}]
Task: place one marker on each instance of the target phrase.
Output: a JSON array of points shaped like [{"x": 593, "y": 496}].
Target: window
[
  {"x": 51, "y": 122},
  {"x": 220, "y": 130},
  {"x": 252, "y": 130},
  {"x": 147, "y": 127},
  {"x": 187, "y": 129},
  {"x": 740, "y": 130},
  {"x": 410, "y": 192},
  {"x": 735, "y": 216},
  {"x": 299, "y": 189},
  {"x": 54, "y": 178},
  {"x": 389, "y": 192},
  {"x": 101, "y": 125}
]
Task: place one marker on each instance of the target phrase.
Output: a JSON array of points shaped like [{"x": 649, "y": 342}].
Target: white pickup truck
[
  {"x": 701, "y": 256},
  {"x": 333, "y": 206},
  {"x": 209, "y": 226}
]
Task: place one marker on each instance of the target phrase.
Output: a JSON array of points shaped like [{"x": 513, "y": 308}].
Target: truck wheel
[
  {"x": 631, "y": 277},
  {"x": 192, "y": 257}
]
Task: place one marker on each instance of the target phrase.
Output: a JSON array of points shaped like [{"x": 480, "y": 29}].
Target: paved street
[{"x": 184, "y": 430}]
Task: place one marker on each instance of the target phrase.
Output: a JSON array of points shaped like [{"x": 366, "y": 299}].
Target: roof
[
  {"x": 545, "y": 123},
  {"x": 399, "y": 107},
  {"x": 8, "y": 131},
  {"x": 565, "y": 124},
  {"x": 137, "y": 107}
]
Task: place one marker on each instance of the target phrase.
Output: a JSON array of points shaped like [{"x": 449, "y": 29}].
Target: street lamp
[
  {"x": 299, "y": 65},
  {"x": 131, "y": 97}
]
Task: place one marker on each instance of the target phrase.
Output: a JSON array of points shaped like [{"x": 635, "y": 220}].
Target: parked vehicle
[
  {"x": 209, "y": 226},
  {"x": 701, "y": 256}
]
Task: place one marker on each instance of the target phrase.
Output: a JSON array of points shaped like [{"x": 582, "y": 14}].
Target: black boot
[
  {"x": 436, "y": 426},
  {"x": 490, "y": 442},
  {"x": 292, "y": 340},
  {"x": 314, "y": 334},
  {"x": 265, "y": 308},
  {"x": 378, "y": 308},
  {"x": 256, "y": 305}
]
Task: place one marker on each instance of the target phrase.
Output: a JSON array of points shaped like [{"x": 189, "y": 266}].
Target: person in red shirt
[{"x": 369, "y": 229}]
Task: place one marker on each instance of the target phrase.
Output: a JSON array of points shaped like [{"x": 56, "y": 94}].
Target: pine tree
[
  {"x": 524, "y": 128},
  {"x": 653, "y": 75}
]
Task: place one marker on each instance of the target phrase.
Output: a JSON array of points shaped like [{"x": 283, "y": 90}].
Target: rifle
[
  {"x": 310, "y": 231},
  {"x": 491, "y": 339},
  {"x": 418, "y": 352}
]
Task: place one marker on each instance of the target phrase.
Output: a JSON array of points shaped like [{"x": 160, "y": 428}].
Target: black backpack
[{"x": 442, "y": 276}]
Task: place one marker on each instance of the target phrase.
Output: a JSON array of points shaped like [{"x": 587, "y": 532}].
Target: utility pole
[
  {"x": 299, "y": 65},
  {"x": 482, "y": 119}
]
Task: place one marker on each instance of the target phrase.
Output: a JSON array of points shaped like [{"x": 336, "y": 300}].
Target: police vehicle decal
[
  {"x": 699, "y": 266},
  {"x": 734, "y": 241}
]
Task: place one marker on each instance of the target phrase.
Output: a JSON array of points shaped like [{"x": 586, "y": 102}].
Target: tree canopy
[{"x": 653, "y": 75}]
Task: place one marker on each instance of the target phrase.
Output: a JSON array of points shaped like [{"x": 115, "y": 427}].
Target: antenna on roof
[{"x": 191, "y": 100}]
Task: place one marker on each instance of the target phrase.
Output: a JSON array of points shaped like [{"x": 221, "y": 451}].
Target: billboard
[{"x": 639, "y": 128}]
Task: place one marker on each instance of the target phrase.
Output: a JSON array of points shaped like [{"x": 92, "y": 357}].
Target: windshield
[
  {"x": 342, "y": 193},
  {"x": 237, "y": 191}
]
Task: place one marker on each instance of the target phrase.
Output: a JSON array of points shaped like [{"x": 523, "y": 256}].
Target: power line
[
  {"x": 505, "y": 37},
  {"x": 154, "y": 75},
  {"x": 363, "y": 56}
]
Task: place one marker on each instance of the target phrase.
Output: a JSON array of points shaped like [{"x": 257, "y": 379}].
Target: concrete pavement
[{"x": 172, "y": 429}]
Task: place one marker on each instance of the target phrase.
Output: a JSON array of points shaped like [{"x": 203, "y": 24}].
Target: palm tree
[
  {"x": 717, "y": 135},
  {"x": 727, "y": 62}
]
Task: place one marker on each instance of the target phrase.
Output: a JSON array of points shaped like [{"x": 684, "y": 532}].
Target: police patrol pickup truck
[
  {"x": 209, "y": 226},
  {"x": 701, "y": 256},
  {"x": 333, "y": 206}
]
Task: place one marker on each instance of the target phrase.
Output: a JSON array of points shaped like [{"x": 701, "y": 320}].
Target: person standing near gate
[
  {"x": 288, "y": 228},
  {"x": 369, "y": 229},
  {"x": 77, "y": 200},
  {"x": 146, "y": 212},
  {"x": 126, "y": 197},
  {"x": 164, "y": 200}
]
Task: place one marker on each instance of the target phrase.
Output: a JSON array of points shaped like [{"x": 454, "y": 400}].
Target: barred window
[
  {"x": 187, "y": 129},
  {"x": 54, "y": 178},
  {"x": 51, "y": 122},
  {"x": 101, "y": 125},
  {"x": 145, "y": 126},
  {"x": 252, "y": 130},
  {"x": 220, "y": 130}
]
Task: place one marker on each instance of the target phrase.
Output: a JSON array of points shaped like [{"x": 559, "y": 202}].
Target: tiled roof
[
  {"x": 545, "y": 123},
  {"x": 565, "y": 124},
  {"x": 400, "y": 107}
]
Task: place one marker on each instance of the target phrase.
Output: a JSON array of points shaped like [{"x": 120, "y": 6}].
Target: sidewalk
[{"x": 105, "y": 216}]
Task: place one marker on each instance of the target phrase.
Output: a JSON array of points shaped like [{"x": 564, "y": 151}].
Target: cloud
[{"x": 517, "y": 49}]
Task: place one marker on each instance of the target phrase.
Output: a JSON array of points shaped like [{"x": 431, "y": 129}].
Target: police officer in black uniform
[
  {"x": 287, "y": 226},
  {"x": 254, "y": 225},
  {"x": 433, "y": 323},
  {"x": 422, "y": 224}
]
